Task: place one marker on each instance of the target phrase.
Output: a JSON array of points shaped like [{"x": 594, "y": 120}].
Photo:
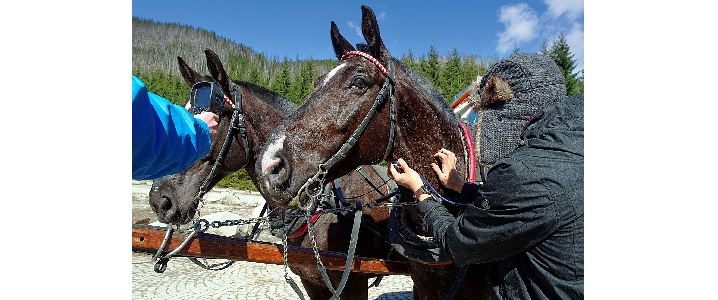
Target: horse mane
[
  {"x": 430, "y": 91},
  {"x": 270, "y": 97}
]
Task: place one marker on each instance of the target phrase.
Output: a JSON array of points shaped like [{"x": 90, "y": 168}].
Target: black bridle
[
  {"x": 313, "y": 186},
  {"x": 237, "y": 125}
]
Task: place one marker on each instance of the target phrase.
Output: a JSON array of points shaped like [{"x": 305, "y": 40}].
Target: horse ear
[
  {"x": 370, "y": 29},
  {"x": 217, "y": 70},
  {"x": 341, "y": 45},
  {"x": 190, "y": 76}
]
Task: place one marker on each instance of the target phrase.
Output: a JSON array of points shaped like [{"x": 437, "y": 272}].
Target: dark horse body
[
  {"x": 341, "y": 100},
  {"x": 174, "y": 199}
]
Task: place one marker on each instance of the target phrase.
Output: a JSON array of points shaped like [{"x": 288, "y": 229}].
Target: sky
[{"x": 300, "y": 29}]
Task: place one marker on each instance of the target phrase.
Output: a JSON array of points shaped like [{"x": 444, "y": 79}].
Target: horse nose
[
  {"x": 166, "y": 212},
  {"x": 276, "y": 170}
]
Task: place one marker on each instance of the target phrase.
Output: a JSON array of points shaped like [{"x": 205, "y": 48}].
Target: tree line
[{"x": 156, "y": 46}]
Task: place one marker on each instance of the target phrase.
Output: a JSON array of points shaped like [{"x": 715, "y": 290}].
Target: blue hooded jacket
[{"x": 166, "y": 138}]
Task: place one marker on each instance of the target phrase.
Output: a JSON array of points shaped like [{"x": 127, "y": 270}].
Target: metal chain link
[{"x": 201, "y": 225}]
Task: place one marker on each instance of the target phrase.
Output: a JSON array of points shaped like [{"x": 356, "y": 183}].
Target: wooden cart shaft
[{"x": 149, "y": 239}]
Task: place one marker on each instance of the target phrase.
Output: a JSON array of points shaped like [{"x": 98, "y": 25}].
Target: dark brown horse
[
  {"x": 174, "y": 198},
  {"x": 370, "y": 108}
]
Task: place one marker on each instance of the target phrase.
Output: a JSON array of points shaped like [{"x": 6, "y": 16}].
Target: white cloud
[
  {"x": 520, "y": 22},
  {"x": 357, "y": 29},
  {"x": 381, "y": 16},
  {"x": 572, "y": 9},
  {"x": 574, "y": 38}
]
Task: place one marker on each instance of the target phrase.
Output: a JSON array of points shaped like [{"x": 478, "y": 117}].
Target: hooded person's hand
[
  {"x": 408, "y": 178},
  {"x": 448, "y": 176}
]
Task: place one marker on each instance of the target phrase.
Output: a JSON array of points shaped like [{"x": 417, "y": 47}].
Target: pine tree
[
  {"x": 451, "y": 77},
  {"x": 544, "y": 48},
  {"x": 308, "y": 75},
  {"x": 430, "y": 67},
  {"x": 561, "y": 54},
  {"x": 409, "y": 59},
  {"x": 283, "y": 81}
]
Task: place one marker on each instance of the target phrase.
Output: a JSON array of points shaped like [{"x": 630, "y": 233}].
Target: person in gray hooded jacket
[{"x": 525, "y": 217}]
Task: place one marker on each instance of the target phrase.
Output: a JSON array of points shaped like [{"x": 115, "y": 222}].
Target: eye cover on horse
[{"x": 206, "y": 96}]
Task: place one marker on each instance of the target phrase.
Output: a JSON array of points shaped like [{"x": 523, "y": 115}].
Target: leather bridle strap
[
  {"x": 237, "y": 125},
  {"x": 387, "y": 91}
]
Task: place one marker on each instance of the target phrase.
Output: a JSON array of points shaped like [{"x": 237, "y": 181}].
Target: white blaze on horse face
[
  {"x": 333, "y": 72},
  {"x": 269, "y": 160}
]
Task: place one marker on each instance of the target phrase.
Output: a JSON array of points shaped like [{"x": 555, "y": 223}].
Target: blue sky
[{"x": 301, "y": 28}]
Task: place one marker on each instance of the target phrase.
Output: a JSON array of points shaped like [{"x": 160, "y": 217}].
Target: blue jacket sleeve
[{"x": 166, "y": 138}]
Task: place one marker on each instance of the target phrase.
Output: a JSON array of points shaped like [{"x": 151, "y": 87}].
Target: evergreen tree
[
  {"x": 307, "y": 75},
  {"x": 283, "y": 81},
  {"x": 561, "y": 54},
  {"x": 254, "y": 76},
  {"x": 470, "y": 69},
  {"x": 409, "y": 59},
  {"x": 451, "y": 81},
  {"x": 544, "y": 48},
  {"x": 430, "y": 67}
]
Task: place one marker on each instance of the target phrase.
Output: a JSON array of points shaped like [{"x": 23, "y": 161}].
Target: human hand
[
  {"x": 212, "y": 121},
  {"x": 408, "y": 178},
  {"x": 447, "y": 174}
]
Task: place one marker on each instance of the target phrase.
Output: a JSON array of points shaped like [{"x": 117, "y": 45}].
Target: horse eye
[{"x": 359, "y": 82}]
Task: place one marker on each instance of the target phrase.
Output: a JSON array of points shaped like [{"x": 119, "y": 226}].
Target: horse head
[
  {"x": 369, "y": 108},
  {"x": 175, "y": 198}
]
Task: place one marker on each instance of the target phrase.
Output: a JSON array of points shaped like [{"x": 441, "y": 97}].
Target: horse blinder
[{"x": 206, "y": 96}]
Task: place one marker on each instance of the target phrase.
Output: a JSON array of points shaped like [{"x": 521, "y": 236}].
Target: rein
[
  {"x": 237, "y": 125},
  {"x": 387, "y": 91}
]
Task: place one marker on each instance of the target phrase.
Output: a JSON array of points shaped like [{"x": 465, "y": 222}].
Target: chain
[{"x": 201, "y": 225}]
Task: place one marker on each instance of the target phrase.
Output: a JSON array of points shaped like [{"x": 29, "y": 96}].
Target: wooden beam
[{"x": 149, "y": 239}]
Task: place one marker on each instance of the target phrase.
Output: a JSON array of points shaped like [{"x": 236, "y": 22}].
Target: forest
[{"x": 156, "y": 46}]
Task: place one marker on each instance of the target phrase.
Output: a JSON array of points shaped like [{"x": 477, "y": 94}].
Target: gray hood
[{"x": 509, "y": 95}]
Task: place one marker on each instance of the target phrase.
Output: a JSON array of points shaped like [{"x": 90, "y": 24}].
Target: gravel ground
[{"x": 241, "y": 280}]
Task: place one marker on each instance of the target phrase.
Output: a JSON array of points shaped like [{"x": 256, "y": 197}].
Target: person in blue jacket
[
  {"x": 525, "y": 218},
  {"x": 166, "y": 138}
]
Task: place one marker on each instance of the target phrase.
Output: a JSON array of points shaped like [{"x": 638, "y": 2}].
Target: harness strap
[
  {"x": 457, "y": 282},
  {"x": 470, "y": 147},
  {"x": 350, "y": 254},
  {"x": 237, "y": 124},
  {"x": 387, "y": 91}
]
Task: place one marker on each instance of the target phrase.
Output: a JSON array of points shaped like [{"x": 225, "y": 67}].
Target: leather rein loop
[{"x": 237, "y": 125}]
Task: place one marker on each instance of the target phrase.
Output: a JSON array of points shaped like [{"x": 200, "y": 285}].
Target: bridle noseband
[
  {"x": 237, "y": 125},
  {"x": 387, "y": 91}
]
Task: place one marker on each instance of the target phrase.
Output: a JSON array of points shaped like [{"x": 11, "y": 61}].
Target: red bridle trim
[
  {"x": 472, "y": 159},
  {"x": 369, "y": 57},
  {"x": 302, "y": 229},
  {"x": 226, "y": 100}
]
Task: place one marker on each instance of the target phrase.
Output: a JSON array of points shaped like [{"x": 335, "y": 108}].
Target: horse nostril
[
  {"x": 277, "y": 171},
  {"x": 165, "y": 210}
]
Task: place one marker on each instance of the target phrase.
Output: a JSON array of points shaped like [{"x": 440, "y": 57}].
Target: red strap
[
  {"x": 369, "y": 57},
  {"x": 302, "y": 229},
  {"x": 472, "y": 158}
]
